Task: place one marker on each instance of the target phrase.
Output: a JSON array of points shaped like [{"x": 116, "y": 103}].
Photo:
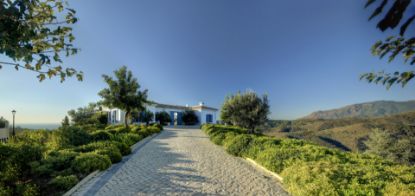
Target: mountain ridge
[{"x": 365, "y": 110}]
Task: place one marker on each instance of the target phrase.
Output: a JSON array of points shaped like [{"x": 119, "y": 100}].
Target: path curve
[{"x": 182, "y": 162}]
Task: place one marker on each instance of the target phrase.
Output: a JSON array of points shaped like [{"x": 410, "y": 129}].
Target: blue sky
[{"x": 306, "y": 55}]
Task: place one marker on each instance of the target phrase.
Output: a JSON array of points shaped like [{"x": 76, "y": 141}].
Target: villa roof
[
  {"x": 197, "y": 107},
  {"x": 159, "y": 105}
]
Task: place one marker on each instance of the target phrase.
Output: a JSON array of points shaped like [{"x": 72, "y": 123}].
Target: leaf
[
  {"x": 379, "y": 9},
  {"x": 369, "y": 2},
  {"x": 394, "y": 15},
  {"x": 406, "y": 24},
  {"x": 41, "y": 77}
]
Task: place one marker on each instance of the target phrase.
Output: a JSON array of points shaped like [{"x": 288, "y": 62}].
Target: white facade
[
  {"x": 4, "y": 134},
  {"x": 205, "y": 114}
]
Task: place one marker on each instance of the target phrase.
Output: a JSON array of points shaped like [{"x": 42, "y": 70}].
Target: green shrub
[
  {"x": 397, "y": 188},
  {"x": 238, "y": 144},
  {"x": 5, "y": 190},
  {"x": 163, "y": 117},
  {"x": 88, "y": 162},
  {"x": 73, "y": 136},
  {"x": 309, "y": 169},
  {"x": 101, "y": 135},
  {"x": 112, "y": 127},
  {"x": 112, "y": 152},
  {"x": 304, "y": 179},
  {"x": 128, "y": 138},
  {"x": 64, "y": 183},
  {"x": 54, "y": 162},
  {"x": 124, "y": 148},
  {"x": 217, "y": 138},
  {"x": 158, "y": 126},
  {"x": 28, "y": 190},
  {"x": 136, "y": 128},
  {"x": 121, "y": 129}
]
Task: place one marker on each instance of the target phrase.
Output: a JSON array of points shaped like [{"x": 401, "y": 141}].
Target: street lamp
[{"x": 14, "y": 113}]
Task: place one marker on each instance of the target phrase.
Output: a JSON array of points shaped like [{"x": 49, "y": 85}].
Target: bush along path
[
  {"x": 309, "y": 169},
  {"x": 181, "y": 161},
  {"x": 52, "y": 162}
]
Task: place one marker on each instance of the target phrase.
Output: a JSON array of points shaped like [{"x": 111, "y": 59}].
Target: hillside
[
  {"x": 346, "y": 134},
  {"x": 365, "y": 110}
]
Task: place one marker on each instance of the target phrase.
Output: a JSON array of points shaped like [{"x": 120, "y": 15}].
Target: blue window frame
[{"x": 209, "y": 118}]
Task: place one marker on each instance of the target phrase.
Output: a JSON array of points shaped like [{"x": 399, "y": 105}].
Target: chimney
[{"x": 201, "y": 103}]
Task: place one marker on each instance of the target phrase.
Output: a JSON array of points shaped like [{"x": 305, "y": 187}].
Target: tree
[
  {"x": 65, "y": 122},
  {"x": 35, "y": 34},
  {"x": 246, "y": 110},
  {"x": 123, "y": 93},
  {"x": 393, "y": 45},
  {"x": 163, "y": 117},
  {"x": 189, "y": 117},
  {"x": 3, "y": 122},
  {"x": 146, "y": 116},
  {"x": 398, "y": 147},
  {"x": 83, "y": 115}
]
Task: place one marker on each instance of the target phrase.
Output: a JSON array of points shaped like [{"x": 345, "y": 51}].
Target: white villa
[{"x": 204, "y": 113}]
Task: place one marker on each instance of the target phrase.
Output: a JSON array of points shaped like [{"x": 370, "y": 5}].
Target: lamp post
[{"x": 13, "y": 112}]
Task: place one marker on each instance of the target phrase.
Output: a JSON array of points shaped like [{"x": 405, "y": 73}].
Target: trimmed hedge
[
  {"x": 309, "y": 169},
  {"x": 51, "y": 162},
  {"x": 64, "y": 183},
  {"x": 89, "y": 162}
]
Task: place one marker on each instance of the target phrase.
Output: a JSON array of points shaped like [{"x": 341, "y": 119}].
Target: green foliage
[
  {"x": 73, "y": 136},
  {"x": 61, "y": 157},
  {"x": 309, "y": 169},
  {"x": 123, "y": 147},
  {"x": 107, "y": 148},
  {"x": 128, "y": 138},
  {"x": 65, "y": 122},
  {"x": 397, "y": 148},
  {"x": 54, "y": 162},
  {"x": 189, "y": 117},
  {"x": 37, "y": 34},
  {"x": 91, "y": 115},
  {"x": 101, "y": 135},
  {"x": 393, "y": 45},
  {"x": 89, "y": 162},
  {"x": 238, "y": 144},
  {"x": 163, "y": 117},
  {"x": 64, "y": 183},
  {"x": 3, "y": 122},
  {"x": 123, "y": 93},
  {"x": 246, "y": 110},
  {"x": 146, "y": 116},
  {"x": 157, "y": 126}
]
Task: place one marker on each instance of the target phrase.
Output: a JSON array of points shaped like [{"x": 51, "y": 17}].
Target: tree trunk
[{"x": 127, "y": 113}]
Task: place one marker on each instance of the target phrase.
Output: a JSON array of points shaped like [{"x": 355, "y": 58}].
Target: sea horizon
[{"x": 38, "y": 125}]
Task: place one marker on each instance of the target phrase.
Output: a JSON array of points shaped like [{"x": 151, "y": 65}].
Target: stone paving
[{"x": 182, "y": 162}]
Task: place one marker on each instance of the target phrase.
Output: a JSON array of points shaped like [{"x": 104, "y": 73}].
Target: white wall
[
  {"x": 4, "y": 133},
  {"x": 201, "y": 114},
  {"x": 205, "y": 112}
]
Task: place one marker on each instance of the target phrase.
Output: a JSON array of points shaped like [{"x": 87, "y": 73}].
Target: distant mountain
[{"x": 365, "y": 110}]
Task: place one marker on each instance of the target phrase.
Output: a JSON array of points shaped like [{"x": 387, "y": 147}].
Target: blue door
[
  {"x": 179, "y": 118},
  {"x": 172, "y": 118}
]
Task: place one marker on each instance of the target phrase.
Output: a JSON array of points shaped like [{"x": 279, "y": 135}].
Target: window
[{"x": 209, "y": 118}]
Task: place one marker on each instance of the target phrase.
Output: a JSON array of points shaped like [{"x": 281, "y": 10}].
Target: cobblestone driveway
[{"x": 182, "y": 162}]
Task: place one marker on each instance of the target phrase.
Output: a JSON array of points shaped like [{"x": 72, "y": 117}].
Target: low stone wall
[{"x": 4, "y": 134}]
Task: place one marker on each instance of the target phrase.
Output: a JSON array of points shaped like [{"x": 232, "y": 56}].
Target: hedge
[
  {"x": 51, "y": 162},
  {"x": 310, "y": 169}
]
